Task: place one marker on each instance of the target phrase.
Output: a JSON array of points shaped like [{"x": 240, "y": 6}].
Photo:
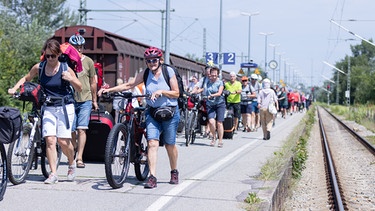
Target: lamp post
[
  {"x": 280, "y": 54},
  {"x": 248, "y": 47},
  {"x": 265, "y": 49},
  {"x": 274, "y": 52}
]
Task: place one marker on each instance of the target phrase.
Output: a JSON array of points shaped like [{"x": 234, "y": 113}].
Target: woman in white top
[{"x": 265, "y": 97}]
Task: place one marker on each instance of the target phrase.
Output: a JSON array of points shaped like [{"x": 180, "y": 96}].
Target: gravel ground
[{"x": 309, "y": 193}]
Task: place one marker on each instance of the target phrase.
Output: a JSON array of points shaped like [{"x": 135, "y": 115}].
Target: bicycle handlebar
[{"x": 126, "y": 95}]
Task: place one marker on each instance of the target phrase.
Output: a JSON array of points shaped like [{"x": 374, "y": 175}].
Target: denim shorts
[
  {"x": 216, "y": 112},
  {"x": 82, "y": 115},
  {"x": 54, "y": 121},
  {"x": 246, "y": 109},
  {"x": 167, "y": 128},
  {"x": 254, "y": 106}
]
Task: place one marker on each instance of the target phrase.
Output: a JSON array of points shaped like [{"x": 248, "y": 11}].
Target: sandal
[
  {"x": 220, "y": 145},
  {"x": 80, "y": 164},
  {"x": 212, "y": 144}
]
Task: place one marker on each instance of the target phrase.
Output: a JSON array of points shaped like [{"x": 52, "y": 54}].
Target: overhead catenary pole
[
  {"x": 167, "y": 32},
  {"x": 265, "y": 50},
  {"x": 220, "y": 37},
  {"x": 83, "y": 15},
  {"x": 350, "y": 32}
]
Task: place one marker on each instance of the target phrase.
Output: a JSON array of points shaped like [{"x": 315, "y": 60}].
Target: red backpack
[{"x": 99, "y": 73}]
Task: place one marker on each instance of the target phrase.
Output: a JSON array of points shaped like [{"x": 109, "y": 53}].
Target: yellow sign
[
  {"x": 241, "y": 72},
  {"x": 257, "y": 71}
]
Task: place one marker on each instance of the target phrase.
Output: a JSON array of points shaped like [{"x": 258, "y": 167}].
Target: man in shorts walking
[{"x": 84, "y": 100}]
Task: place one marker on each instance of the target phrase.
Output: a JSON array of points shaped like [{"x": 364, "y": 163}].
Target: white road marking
[{"x": 162, "y": 201}]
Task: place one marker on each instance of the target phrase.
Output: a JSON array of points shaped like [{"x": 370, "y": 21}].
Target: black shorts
[{"x": 236, "y": 109}]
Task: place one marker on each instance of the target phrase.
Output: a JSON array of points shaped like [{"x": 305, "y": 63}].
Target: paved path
[{"x": 211, "y": 178}]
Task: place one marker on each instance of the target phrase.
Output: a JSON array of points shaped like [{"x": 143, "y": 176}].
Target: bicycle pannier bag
[
  {"x": 32, "y": 92},
  {"x": 10, "y": 124},
  {"x": 163, "y": 113}
]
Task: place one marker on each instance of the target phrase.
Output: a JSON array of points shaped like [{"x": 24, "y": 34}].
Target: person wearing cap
[
  {"x": 247, "y": 93},
  {"x": 255, "y": 119},
  {"x": 234, "y": 98},
  {"x": 265, "y": 97}
]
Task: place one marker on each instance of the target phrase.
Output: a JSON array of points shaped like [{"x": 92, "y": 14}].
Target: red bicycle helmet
[{"x": 153, "y": 52}]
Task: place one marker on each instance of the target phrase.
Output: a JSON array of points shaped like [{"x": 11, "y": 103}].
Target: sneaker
[
  {"x": 52, "y": 179},
  {"x": 151, "y": 182},
  {"x": 71, "y": 172},
  {"x": 174, "y": 177}
]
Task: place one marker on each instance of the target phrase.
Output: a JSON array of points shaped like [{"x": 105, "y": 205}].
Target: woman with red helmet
[{"x": 161, "y": 96}]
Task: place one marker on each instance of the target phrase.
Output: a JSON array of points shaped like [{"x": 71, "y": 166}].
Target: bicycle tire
[
  {"x": 18, "y": 162},
  {"x": 191, "y": 125},
  {"x": 141, "y": 167},
  {"x": 117, "y": 155},
  {"x": 46, "y": 170},
  {"x": 3, "y": 171},
  {"x": 187, "y": 128}
]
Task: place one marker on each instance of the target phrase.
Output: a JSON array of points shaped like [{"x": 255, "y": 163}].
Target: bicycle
[
  {"x": 3, "y": 171},
  {"x": 127, "y": 144},
  {"x": 26, "y": 150},
  {"x": 192, "y": 119}
]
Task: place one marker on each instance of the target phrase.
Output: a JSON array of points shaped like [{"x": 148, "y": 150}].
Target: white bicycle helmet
[{"x": 77, "y": 39}]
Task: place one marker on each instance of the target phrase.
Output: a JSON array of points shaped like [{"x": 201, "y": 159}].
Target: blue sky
[{"x": 301, "y": 29}]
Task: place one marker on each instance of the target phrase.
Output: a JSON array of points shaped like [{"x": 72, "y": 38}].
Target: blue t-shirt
[
  {"x": 153, "y": 84},
  {"x": 212, "y": 88}
]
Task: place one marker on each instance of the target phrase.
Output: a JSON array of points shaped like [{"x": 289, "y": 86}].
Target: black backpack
[
  {"x": 10, "y": 124},
  {"x": 180, "y": 100}
]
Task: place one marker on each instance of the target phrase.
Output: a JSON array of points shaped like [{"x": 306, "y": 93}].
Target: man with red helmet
[{"x": 162, "y": 95}]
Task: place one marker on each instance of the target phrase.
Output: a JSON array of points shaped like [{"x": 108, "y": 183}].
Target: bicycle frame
[
  {"x": 124, "y": 144},
  {"x": 22, "y": 153}
]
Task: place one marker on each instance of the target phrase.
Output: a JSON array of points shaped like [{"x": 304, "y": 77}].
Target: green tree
[
  {"x": 362, "y": 66},
  {"x": 51, "y": 15},
  {"x": 25, "y": 25}
]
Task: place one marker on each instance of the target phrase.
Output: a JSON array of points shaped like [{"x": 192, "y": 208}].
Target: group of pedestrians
[{"x": 247, "y": 99}]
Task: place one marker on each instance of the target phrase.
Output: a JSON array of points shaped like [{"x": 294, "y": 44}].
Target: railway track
[{"x": 350, "y": 165}]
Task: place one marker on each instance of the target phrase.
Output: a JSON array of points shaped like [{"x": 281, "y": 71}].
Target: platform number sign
[
  {"x": 228, "y": 58},
  {"x": 211, "y": 56}
]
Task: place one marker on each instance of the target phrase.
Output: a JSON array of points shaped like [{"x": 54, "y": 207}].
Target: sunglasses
[
  {"x": 50, "y": 56},
  {"x": 152, "y": 61},
  {"x": 244, "y": 80}
]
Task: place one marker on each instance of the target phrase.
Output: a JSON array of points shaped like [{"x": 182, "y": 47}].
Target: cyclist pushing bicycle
[
  {"x": 56, "y": 78},
  {"x": 162, "y": 116}
]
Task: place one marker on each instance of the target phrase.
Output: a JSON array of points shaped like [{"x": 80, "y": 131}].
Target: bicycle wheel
[
  {"x": 182, "y": 122},
  {"x": 3, "y": 171},
  {"x": 46, "y": 169},
  {"x": 194, "y": 130},
  {"x": 141, "y": 163},
  {"x": 117, "y": 155},
  {"x": 19, "y": 161},
  {"x": 191, "y": 128}
]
